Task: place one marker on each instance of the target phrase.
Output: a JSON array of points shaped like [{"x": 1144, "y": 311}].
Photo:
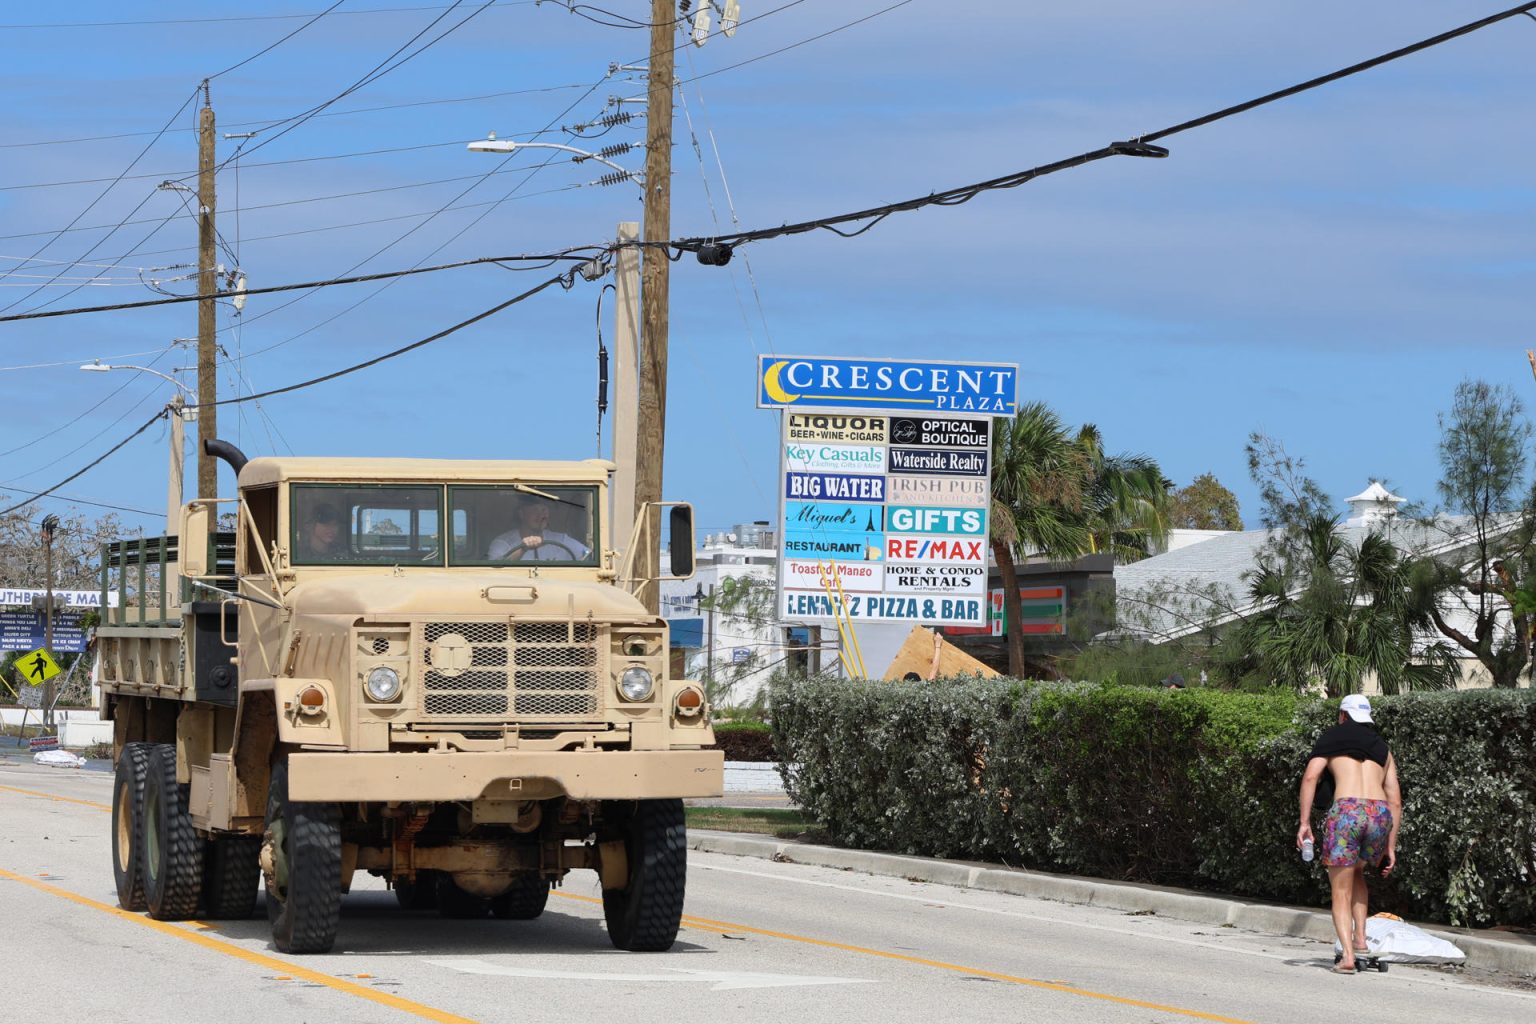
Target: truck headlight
[
  {"x": 636, "y": 684},
  {"x": 383, "y": 684}
]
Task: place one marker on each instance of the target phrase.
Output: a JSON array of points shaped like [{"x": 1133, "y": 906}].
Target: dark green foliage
[
  {"x": 745, "y": 741},
  {"x": 1193, "y": 787}
]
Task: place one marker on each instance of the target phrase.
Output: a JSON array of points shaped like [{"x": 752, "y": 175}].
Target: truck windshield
[
  {"x": 507, "y": 524},
  {"x": 367, "y": 524}
]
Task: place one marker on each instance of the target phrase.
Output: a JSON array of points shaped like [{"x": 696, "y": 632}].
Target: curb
[{"x": 1506, "y": 955}]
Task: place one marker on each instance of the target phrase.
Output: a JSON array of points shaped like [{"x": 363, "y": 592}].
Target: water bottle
[{"x": 1306, "y": 849}]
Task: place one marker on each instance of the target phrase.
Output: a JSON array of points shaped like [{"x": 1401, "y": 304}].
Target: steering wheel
[{"x": 512, "y": 555}]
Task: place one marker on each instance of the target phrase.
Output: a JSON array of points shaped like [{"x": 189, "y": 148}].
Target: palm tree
[
  {"x": 1329, "y": 612},
  {"x": 1128, "y": 502},
  {"x": 1038, "y": 492}
]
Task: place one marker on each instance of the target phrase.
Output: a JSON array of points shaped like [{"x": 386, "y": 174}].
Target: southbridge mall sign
[{"x": 885, "y": 485}]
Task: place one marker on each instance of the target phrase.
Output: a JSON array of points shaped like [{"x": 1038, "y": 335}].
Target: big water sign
[{"x": 885, "y": 486}]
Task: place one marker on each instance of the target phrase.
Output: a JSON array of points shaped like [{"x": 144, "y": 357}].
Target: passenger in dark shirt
[{"x": 1362, "y": 823}]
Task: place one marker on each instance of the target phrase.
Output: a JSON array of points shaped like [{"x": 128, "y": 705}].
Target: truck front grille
[{"x": 507, "y": 670}]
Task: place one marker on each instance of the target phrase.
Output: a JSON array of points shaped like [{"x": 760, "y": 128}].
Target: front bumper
[{"x": 433, "y": 776}]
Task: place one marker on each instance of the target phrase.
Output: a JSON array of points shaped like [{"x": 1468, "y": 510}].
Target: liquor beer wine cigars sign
[{"x": 884, "y": 468}]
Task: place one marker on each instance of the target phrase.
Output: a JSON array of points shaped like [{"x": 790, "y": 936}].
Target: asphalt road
[{"x": 762, "y": 942}]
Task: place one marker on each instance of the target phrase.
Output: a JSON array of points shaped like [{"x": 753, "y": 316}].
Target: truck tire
[
  {"x": 645, "y": 915},
  {"x": 231, "y": 872},
  {"x": 420, "y": 894},
  {"x": 524, "y": 901},
  {"x": 301, "y": 853},
  {"x": 456, "y": 903},
  {"x": 127, "y": 813},
  {"x": 172, "y": 862}
]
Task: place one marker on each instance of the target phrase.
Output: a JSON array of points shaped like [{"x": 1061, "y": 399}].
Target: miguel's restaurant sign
[{"x": 885, "y": 469}]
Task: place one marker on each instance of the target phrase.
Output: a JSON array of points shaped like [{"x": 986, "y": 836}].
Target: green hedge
[
  {"x": 1190, "y": 787},
  {"x": 744, "y": 741}
]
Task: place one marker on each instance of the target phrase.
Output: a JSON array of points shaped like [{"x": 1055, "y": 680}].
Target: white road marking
[
  {"x": 1412, "y": 977},
  {"x": 721, "y": 980}
]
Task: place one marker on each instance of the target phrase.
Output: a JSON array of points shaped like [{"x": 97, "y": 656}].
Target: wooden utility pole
[
  {"x": 207, "y": 314},
  {"x": 50, "y": 692},
  {"x": 650, "y": 436}
]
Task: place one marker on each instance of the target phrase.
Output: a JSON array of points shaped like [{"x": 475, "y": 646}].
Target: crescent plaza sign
[
  {"x": 896, "y": 385},
  {"x": 885, "y": 482}
]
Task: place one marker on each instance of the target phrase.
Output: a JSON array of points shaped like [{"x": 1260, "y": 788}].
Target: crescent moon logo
[{"x": 773, "y": 387}]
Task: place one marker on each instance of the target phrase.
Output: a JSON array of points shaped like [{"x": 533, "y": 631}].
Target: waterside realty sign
[{"x": 885, "y": 486}]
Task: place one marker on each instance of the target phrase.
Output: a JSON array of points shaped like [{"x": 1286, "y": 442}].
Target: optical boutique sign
[{"x": 885, "y": 485}]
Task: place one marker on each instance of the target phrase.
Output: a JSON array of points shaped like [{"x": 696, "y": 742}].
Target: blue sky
[{"x": 1324, "y": 269}]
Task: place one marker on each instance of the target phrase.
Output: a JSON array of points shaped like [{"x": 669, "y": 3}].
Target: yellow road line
[
  {"x": 281, "y": 967},
  {"x": 63, "y": 799},
  {"x": 977, "y": 972},
  {"x": 695, "y": 922}
]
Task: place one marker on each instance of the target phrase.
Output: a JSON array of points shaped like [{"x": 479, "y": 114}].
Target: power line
[
  {"x": 566, "y": 279},
  {"x": 717, "y": 248},
  {"x": 792, "y": 46},
  {"x": 239, "y": 18},
  {"x": 275, "y": 45},
  {"x": 88, "y": 467},
  {"x": 591, "y": 252},
  {"x": 331, "y": 113},
  {"x": 83, "y": 501},
  {"x": 378, "y": 71}
]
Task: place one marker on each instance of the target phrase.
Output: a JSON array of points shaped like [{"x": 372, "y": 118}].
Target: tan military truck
[{"x": 430, "y": 671}]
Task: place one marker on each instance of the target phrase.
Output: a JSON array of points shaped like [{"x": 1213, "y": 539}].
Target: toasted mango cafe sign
[{"x": 914, "y": 387}]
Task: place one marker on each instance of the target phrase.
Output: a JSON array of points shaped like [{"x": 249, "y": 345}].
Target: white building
[{"x": 724, "y": 619}]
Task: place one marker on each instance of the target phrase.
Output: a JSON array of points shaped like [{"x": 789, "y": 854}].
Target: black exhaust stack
[{"x": 228, "y": 452}]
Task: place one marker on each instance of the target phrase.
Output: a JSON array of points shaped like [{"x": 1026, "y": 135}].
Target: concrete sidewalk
[{"x": 1502, "y": 952}]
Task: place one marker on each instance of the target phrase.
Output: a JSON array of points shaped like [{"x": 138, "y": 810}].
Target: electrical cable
[
  {"x": 592, "y": 251},
  {"x": 113, "y": 184},
  {"x": 87, "y": 501},
  {"x": 89, "y": 466},
  {"x": 792, "y": 46},
  {"x": 378, "y": 71},
  {"x": 280, "y": 42},
  {"x": 566, "y": 279},
  {"x": 1138, "y": 146},
  {"x": 246, "y": 17},
  {"x": 329, "y": 113}
]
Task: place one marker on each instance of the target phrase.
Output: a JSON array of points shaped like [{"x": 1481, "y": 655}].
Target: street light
[
  {"x": 492, "y": 144},
  {"x": 180, "y": 415}
]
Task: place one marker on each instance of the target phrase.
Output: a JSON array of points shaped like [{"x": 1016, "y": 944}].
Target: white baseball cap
[{"x": 1356, "y": 706}]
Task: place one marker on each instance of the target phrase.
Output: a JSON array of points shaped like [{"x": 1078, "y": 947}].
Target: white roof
[{"x": 1376, "y": 492}]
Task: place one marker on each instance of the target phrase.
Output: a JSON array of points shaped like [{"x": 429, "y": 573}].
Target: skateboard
[{"x": 1365, "y": 962}]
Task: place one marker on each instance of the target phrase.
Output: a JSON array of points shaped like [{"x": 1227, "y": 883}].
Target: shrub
[
  {"x": 1190, "y": 787},
  {"x": 744, "y": 741}
]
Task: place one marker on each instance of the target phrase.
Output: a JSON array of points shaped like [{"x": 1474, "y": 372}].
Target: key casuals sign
[{"x": 885, "y": 498}]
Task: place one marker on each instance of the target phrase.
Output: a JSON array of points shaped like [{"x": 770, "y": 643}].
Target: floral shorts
[{"x": 1356, "y": 831}]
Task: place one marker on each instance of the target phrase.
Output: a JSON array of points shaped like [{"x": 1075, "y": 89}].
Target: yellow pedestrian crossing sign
[{"x": 37, "y": 667}]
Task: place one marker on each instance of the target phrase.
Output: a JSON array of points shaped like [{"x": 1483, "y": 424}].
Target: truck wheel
[
  {"x": 455, "y": 902},
  {"x": 524, "y": 901},
  {"x": 645, "y": 915},
  {"x": 418, "y": 895},
  {"x": 172, "y": 850},
  {"x": 231, "y": 871},
  {"x": 301, "y": 864},
  {"x": 127, "y": 813}
]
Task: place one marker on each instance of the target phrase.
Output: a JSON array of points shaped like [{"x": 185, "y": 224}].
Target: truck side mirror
[
  {"x": 680, "y": 540},
  {"x": 192, "y": 545}
]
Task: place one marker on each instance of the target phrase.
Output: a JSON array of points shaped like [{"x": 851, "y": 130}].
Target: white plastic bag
[
  {"x": 58, "y": 759},
  {"x": 1399, "y": 942}
]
